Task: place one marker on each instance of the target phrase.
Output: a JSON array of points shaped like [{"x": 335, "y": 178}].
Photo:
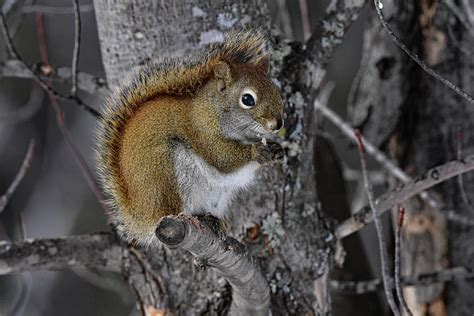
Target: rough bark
[{"x": 228, "y": 257}]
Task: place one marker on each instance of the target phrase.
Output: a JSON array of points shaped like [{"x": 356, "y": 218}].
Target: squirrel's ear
[
  {"x": 222, "y": 71},
  {"x": 223, "y": 74},
  {"x": 262, "y": 63}
]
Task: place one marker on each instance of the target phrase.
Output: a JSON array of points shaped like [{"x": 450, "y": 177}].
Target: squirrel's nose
[{"x": 274, "y": 124}]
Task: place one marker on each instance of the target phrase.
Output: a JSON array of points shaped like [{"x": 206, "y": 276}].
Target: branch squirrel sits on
[{"x": 188, "y": 134}]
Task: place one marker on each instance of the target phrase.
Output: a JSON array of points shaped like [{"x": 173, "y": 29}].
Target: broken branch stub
[{"x": 250, "y": 290}]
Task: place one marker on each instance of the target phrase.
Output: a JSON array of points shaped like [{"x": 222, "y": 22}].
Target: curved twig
[
  {"x": 378, "y": 7},
  {"x": 14, "y": 54},
  {"x": 250, "y": 290},
  {"x": 378, "y": 227},
  {"x": 5, "y": 198}
]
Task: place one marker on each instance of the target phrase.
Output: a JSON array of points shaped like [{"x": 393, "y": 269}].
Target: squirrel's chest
[{"x": 203, "y": 188}]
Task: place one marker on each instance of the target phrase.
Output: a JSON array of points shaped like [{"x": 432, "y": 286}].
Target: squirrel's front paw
[{"x": 270, "y": 152}]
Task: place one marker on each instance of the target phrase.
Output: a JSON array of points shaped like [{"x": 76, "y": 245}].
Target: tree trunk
[{"x": 279, "y": 222}]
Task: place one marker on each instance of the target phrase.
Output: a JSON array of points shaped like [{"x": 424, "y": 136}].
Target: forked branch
[{"x": 250, "y": 290}]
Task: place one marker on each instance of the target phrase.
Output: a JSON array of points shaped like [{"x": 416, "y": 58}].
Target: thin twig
[
  {"x": 373, "y": 151},
  {"x": 378, "y": 227},
  {"x": 303, "y": 5},
  {"x": 378, "y": 6},
  {"x": 96, "y": 87},
  {"x": 45, "y": 9},
  {"x": 5, "y": 198},
  {"x": 388, "y": 165},
  {"x": 6, "y": 36},
  {"x": 398, "y": 286},
  {"x": 285, "y": 19},
  {"x": 77, "y": 46},
  {"x": 454, "y": 217},
  {"x": 389, "y": 200},
  {"x": 459, "y": 141},
  {"x": 43, "y": 85},
  {"x": 60, "y": 120},
  {"x": 458, "y": 13},
  {"x": 362, "y": 287}
]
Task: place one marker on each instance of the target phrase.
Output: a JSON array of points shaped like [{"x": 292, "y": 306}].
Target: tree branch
[
  {"x": 398, "y": 277},
  {"x": 378, "y": 7},
  {"x": 378, "y": 226},
  {"x": 100, "y": 251},
  {"x": 77, "y": 46},
  {"x": 19, "y": 176},
  {"x": 251, "y": 293},
  {"x": 46, "y": 9},
  {"x": 387, "y": 201},
  {"x": 362, "y": 287},
  {"x": 327, "y": 35},
  {"x": 85, "y": 82},
  {"x": 47, "y": 88},
  {"x": 373, "y": 151}
]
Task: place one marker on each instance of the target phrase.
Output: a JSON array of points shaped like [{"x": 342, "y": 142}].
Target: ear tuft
[
  {"x": 263, "y": 64},
  {"x": 222, "y": 71}
]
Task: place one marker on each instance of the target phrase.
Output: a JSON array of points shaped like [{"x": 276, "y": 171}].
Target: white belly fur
[{"x": 203, "y": 189}]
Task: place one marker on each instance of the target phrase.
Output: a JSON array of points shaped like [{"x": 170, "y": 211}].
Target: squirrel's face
[{"x": 250, "y": 107}]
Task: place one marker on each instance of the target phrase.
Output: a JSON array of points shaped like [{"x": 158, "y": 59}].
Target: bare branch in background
[
  {"x": 378, "y": 7},
  {"x": 362, "y": 287},
  {"x": 388, "y": 164},
  {"x": 389, "y": 200},
  {"x": 45, "y": 9},
  {"x": 250, "y": 290},
  {"x": 285, "y": 18},
  {"x": 47, "y": 88},
  {"x": 19, "y": 176},
  {"x": 398, "y": 286},
  {"x": 327, "y": 35},
  {"x": 303, "y": 5},
  {"x": 77, "y": 46},
  {"x": 459, "y": 154},
  {"x": 373, "y": 151},
  {"x": 379, "y": 228},
  {"x": 455, "y": 217},
  {"x": 85, "y": 82},
  {"x": 86, "y": 171},
  {"x": 100, "y": 251},
  {"x": 6, "y": 36},
  {"x": 458, "y": 13}
]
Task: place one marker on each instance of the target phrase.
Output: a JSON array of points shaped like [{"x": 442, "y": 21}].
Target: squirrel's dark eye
[{"x": 248, "y": 98}]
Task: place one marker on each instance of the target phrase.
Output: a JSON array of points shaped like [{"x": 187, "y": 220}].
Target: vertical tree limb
[
  {"x": 378, "y": 226},
  {"x": 19, "y": 176}
]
